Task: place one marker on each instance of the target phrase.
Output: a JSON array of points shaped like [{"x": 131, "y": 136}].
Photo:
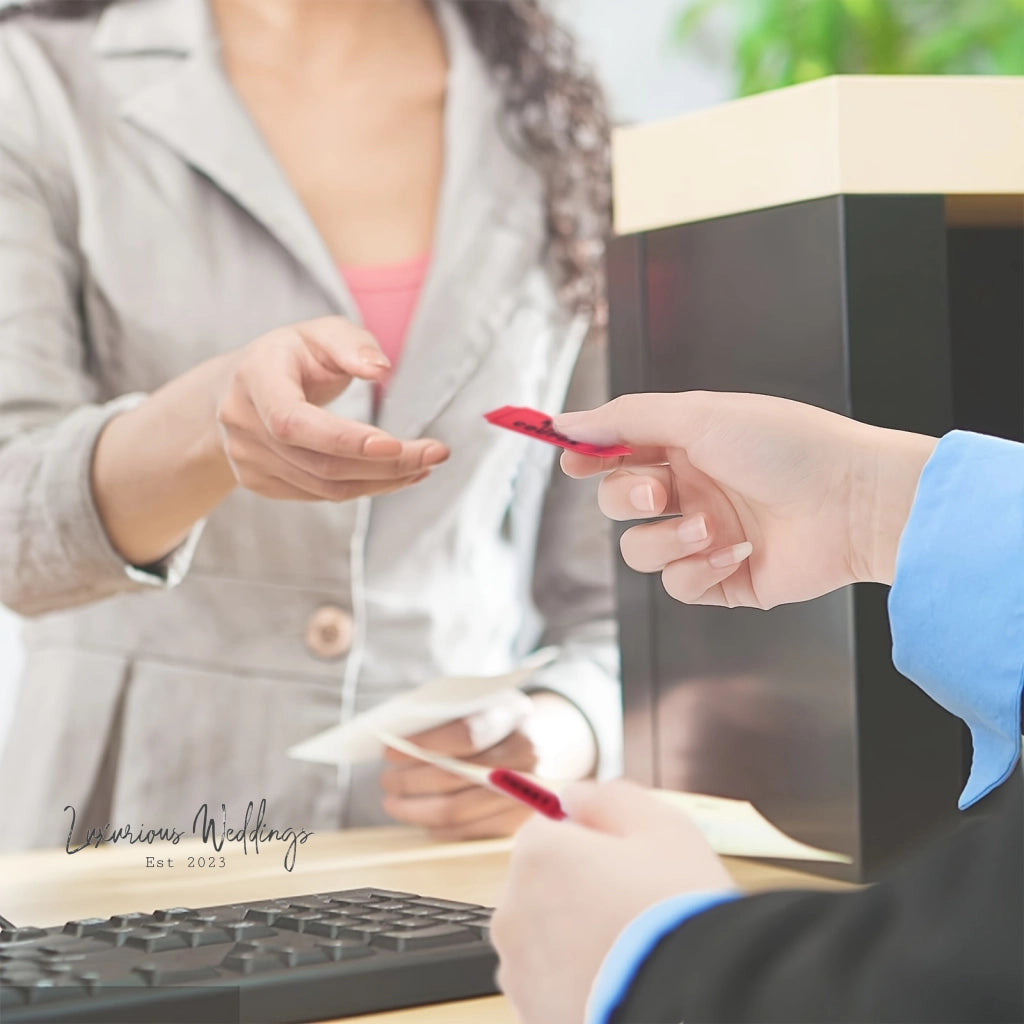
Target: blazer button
[{"x": 329, "y": 632}]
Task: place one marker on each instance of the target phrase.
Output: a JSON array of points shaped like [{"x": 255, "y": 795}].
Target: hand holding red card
[{"x": 538, "y": 424}]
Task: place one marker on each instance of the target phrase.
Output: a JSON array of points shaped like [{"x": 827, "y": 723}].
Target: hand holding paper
[
  {"x": 517, "y": 785},
  {"x": 487, "y": 721},
  {"x": 488, "y": 699}
]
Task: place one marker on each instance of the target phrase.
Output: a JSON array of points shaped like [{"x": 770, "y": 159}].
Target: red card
[{"x": 538, "y": 425}]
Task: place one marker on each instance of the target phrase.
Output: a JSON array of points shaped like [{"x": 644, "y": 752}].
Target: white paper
[
  {"x": 735, "y": 828},
  {"x": 434, "y": 703}
]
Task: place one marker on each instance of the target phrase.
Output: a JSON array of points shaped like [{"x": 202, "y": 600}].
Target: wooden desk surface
[{"x": 48, "y": 887}]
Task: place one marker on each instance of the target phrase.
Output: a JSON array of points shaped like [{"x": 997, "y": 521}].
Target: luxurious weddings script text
[{"x": 253, "y": 832}]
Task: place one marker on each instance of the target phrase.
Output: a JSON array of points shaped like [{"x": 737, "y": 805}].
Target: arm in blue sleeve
[
  {"x": 957, "y": 602},
  {"x": 635, "y": 943}
]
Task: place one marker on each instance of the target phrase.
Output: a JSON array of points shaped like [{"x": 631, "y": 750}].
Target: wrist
[
  {"x": 150, "y": 495},
  {"x": 893, "y": 463},
  {"x": 206, "y": 451}
]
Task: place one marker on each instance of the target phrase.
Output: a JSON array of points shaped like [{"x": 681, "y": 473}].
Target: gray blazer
[{"x": 144, "y": 227}]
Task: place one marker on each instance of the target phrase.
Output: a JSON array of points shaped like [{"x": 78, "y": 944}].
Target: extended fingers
[
  {"x": 699, "y": 578},
  {"x": 340, "y": 345},
  {"x": 652, "y": 546},
  {"x": 300, "y": 424},
  {"x": 405, "y": 776},
  {"x": 455, "y": 812},
  {"x": 413, "y": 457},
  {"x": 637, "y": 494},
  {"x": 418, "y": 779},
  {"x": 576, "y": 465}
]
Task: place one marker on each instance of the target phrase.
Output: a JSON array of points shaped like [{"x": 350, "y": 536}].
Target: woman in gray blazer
[{"x": 229, "y": 520}]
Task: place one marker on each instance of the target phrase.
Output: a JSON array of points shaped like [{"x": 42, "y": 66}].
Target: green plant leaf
[{"x": 779, "y": 42}]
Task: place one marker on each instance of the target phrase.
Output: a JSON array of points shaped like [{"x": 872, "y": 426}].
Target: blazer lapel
[
  {"x": 490, "y": 231},
  {"x": 162, "y": 59}
]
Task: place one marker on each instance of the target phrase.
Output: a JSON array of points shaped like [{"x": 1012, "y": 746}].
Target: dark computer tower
[{"x": 873, "y": 307}]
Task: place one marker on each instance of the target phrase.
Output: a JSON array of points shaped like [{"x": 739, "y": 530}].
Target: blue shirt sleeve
[
  {"x": 635, "y": 944},
  {"x": 957, "y": 602}
]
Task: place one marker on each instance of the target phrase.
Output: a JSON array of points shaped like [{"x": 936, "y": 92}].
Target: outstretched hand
[{"x": 756, "y": 501}]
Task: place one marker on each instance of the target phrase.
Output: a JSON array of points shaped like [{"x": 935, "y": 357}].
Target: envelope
[{"x": 434, "y": 703}]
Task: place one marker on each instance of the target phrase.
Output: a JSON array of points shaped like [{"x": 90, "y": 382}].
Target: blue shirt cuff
[
  {"x": 957, "y": 602},
  {"x": 635, "y": 944}
]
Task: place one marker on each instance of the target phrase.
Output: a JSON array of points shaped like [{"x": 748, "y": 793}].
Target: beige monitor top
[{"x": 961, "y": 137}]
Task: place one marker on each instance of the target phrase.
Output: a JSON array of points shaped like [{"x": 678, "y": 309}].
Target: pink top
[{"x": 386, "y": 297}]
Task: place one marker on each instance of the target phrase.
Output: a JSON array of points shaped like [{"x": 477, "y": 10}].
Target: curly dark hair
[{"x": 555, "y": 113}]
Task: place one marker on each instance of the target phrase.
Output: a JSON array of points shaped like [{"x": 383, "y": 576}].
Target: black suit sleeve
[{"x": 941, "y": 941}]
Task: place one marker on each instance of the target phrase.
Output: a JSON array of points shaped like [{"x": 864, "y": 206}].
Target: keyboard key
[
  {"x": 11, "y": 935},
  {"x": 131, "y": 920},
  {"x": 239, "y": 930},
  {"x": 157, "y": 974},
  {"x": 69, "y": 950},
  {"x": 353, "y": 899},
  {"x": 55, "y": 969},
  {"x": 172, "y": 913},
  {"x": 115, "y": 936},
  {"x": 252, "y": 963},
  {"x": 219, "y": 915},
  {"x": 86, "y": 926},
  {"x": 297, "y": 920},
  {"x": 330, "y": 926},
  {"x": 20, "y": 954},
  {"x": 382, "y": 916},
  {"x": 442, "y": 904},
  {"x": 424, "y": 938},
  {"x": 267, "y": 914},
  {"x": 299, "y": 956},
  {"x": 317, "y": 905},
  {"x": 156, "y": 942},
  {"x": 202, "y": 935},
  {"x": 357, "y": 930},
  {"x": 345, "y": 949}
]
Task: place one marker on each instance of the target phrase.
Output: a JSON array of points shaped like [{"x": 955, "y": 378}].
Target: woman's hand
[
  {"x": 251, "y": 417},
  {"x": 541, "y": 732},
  {"x": 574, "y": 885},
  {"x": 278, "y": 440},
  {"x": 770, "y": 501}
]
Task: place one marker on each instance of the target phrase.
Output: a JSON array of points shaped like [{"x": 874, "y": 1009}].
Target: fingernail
[
  {"x": 436, "y": 453},
  {"x": 692, "y": 529},
  {"x": 370, "y": 356},
  {"x": 730, "y": 556},
  {"x": 641, "y": 498}
]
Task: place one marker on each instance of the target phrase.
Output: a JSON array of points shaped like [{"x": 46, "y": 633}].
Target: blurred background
[{"x": 659, "y": 58}]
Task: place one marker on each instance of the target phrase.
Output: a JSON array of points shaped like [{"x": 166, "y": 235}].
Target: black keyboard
[{"x": 304, "y": 958}]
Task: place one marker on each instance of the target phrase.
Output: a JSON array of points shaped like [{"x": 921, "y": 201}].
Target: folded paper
[{"x": 434, "y": 703}]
